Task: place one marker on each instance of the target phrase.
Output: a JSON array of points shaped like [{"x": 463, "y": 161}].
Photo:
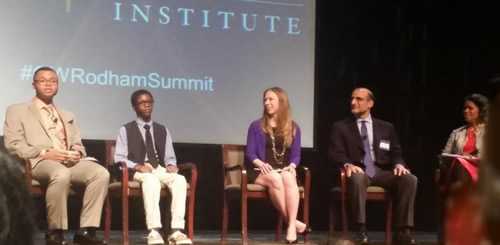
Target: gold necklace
[{"x": 279, "y": 157}]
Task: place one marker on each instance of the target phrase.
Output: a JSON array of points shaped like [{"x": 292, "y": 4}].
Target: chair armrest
[
  {"x": 437, "y": 176},
  {"x": 343, "y": 180},
  {"x": 190, "y": 170},
  {"x": 124, "y": 169},
  {"x": 244, "y": 181},
  {"x": 442, "y": 171},
  {"x": 27, "y": 172},
  {"x": 187, "y": 166},
  {"x": 303, "y": 174},
  {"x": 440, "y": 160},
  {"x": 125, "y": 173}
]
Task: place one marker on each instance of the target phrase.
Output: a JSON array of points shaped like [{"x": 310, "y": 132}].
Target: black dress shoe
[
  {"x": 55, "y": 238},
  {"x": 403, "y": 238},
  {"x": 361, "y": 238},
  {"x": 85, "y": 237}
]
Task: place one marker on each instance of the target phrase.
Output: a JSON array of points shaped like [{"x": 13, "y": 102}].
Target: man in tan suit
[{"x": 50, "y": 138}]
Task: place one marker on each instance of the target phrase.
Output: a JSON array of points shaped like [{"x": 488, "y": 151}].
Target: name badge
[{"x": 385, "y": 145}]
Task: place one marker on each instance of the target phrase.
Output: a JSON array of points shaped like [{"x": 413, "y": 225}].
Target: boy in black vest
[{"x": 146, "y": 147}]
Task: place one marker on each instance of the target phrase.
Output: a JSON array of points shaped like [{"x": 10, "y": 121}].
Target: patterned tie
[
  {"x": 55, "y": 128},
  {"x": 51, "y": 115},
  {"x": 150, "y": 149},
  {"x": 367, "y": 159}
]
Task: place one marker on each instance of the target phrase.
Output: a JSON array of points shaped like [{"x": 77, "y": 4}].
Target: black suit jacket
[{"x": 346, "y": 145}]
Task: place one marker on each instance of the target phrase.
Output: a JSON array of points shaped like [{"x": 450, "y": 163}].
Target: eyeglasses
[
  {"x": 145, "y": 102},
  {"x": 46, "y": 81}
]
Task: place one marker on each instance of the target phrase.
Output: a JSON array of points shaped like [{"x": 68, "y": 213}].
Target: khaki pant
[
  {"x": 58, "y": 178},
  {"x": 151, "y": 184}
]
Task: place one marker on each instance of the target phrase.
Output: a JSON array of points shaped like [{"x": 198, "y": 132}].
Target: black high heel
[{"x": 292, "y": 242}]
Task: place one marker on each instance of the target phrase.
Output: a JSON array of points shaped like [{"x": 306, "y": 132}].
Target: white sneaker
[
  {"x": 179, "y": 238},
  {"x": 154, "y": 237}
]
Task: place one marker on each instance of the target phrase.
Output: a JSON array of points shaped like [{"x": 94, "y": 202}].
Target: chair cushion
[
  {"x": 375, "y": 189},
  {"x": 372, "y": 189},
  {"x": 117, "y": 185},
  {"x": 250, "y": 187},
  {"x": 253, "y": 187},
  {"x": 72, "y": 191}
]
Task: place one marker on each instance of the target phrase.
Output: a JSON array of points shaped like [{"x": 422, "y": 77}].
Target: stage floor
[{"x": 256, "y": 237}]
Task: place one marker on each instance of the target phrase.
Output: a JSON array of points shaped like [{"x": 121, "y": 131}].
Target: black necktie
[{"x": 150, "y": 149}]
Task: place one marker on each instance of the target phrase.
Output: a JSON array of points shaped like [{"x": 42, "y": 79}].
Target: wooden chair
[
  {"x": 235, "y": 180},
  {"x": 441, "y": 176},
  {"x": 34, "y": 186},
  {"x": 374, "y": 193},
  {"x": 125, "y": 189}
]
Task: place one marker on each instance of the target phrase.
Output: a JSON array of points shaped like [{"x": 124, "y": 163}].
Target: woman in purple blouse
[{"x": 273, "y": 153}]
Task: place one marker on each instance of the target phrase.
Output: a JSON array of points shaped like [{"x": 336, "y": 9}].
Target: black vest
[{"x": 137, "y": 147}]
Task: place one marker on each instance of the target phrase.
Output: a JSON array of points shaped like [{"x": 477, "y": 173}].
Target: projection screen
[{"x": 205, "y": 61}]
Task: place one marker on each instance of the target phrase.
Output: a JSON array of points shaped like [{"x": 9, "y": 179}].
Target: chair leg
[
  {"x": 388, "y": 223},
  {"x": 225, "y": 217},
  {"x": 244, "y": 219},
  {"x": 125, "y": 238},
  {"x": 344, "y": 216},
  {"x": 191, "y": 215},
  {"x": 440, "y": 217},
  {"x": 305, "y": 215},
  {"x": 107, "y": 219},
  {"x": 331, "y": 221},
  {"x": 279, "y": 228}
]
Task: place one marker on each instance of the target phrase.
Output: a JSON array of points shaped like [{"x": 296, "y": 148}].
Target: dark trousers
[{"x": 402, "y": 189}]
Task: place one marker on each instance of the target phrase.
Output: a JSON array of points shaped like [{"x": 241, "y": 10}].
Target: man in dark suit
[{"x": 368, "y": 149}]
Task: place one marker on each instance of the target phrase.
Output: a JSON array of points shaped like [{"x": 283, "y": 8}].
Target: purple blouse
[{"x": 256, "y": 144}]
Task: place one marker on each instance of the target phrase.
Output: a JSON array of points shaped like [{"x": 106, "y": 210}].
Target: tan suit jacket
[{"x": 26, "y": 136}]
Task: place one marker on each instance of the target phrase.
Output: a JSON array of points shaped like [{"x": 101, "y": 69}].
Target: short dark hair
[
  {"x": 136, "y": 94},
  {"x": 16, "y": 212},
  {"x": 482, "y": 104},
  {"x": 43, "y": 68}
]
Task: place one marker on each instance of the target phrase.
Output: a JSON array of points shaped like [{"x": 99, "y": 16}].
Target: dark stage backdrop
[{"x": 419, "y": 57}]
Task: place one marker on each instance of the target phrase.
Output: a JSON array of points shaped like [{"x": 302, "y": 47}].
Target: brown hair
[{"x": 284, "y": 124}]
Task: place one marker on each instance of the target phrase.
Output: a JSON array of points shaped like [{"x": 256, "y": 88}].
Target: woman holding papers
[{"x": 465, "y": 143}]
